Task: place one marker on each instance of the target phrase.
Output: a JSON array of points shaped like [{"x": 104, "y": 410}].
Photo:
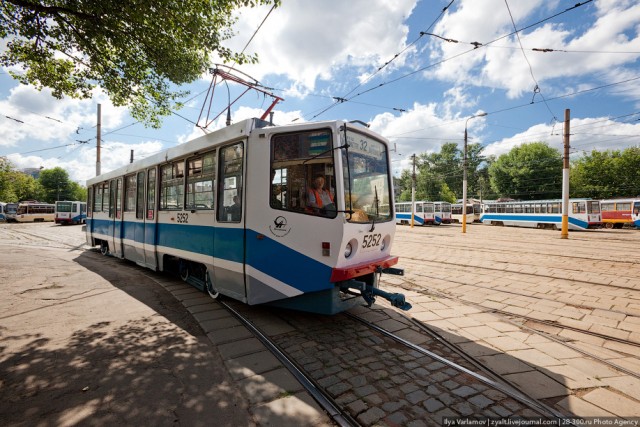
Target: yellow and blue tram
[{"x": 231, "y": 213}]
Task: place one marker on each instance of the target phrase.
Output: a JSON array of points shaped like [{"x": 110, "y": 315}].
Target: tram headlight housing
[{"x": 348, "y": 250}]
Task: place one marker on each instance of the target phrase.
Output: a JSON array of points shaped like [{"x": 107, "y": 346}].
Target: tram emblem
[{"x": 279, "y": 227}]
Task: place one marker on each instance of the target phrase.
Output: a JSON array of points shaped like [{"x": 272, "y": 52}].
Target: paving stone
[
  {"x": 370, "y": 416},
  {"x": 615, "y": 403},
  {"x": 538, "y": 385},
  {"x": 416, "y": 396},
  {"x": 433, "y": 405}
]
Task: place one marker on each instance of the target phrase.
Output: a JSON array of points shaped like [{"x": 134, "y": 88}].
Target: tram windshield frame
[{"x": 367, "y": 179}]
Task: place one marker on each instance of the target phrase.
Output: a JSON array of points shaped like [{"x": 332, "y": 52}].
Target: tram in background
[
  {"x": 35, "y": 212},
  {"x": 474, "y": 210},
  {"x": 70, "y": 212},
  {"x": 423, "y": 213},
  {"x": 618, "y": 213},
  {"x": 583, "y": 214},
  {"x": 8, "y": 211},
  {"x": 442, "y": 211},
  {"x": 231, "y": 213}
]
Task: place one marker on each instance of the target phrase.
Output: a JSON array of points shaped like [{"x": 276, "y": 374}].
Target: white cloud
[
  {"x": 47, "y": 119},
  {"x": 307, "y": 41},
  {"x": 503, "y": 65},
  {"x": 586, "y": 135}
]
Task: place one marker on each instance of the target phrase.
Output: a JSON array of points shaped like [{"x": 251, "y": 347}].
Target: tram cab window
[
  {"x": 231, "y": 183},
  {"x": 297, "y": 161},
  {"x": 368, "y": 193}
]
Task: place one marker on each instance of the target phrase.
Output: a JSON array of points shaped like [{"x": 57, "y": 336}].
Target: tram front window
[
  {"x": 303, "y": 174},
  {"x": 368, "y": 193}
]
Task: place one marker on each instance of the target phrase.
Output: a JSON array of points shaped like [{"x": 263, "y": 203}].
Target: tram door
[
  {"x": 229, "y": 236},
  {"x": 150, "y": 223},
  {"x": 115, "y": 217}
]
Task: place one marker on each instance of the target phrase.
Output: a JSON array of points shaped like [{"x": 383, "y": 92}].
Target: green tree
[
  {"x": 56, "y": 185},
  {"x": 15, "y": 185},
  {"x": 439, "y": 174},
  {"x": 529, "y": 171},
  {"x": 606, "y": 174},
  {"x": 134, "y": 50}
]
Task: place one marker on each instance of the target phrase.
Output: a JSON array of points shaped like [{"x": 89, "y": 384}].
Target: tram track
[
  {"x": 527, "y": 253},
  {"x": 509, "y": 316},
  {"x": 362, "y": 367},
  {"x": 417, "y": 288}
]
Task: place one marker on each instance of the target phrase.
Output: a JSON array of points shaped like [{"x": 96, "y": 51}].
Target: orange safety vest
[{"x": 319, "y": 199}]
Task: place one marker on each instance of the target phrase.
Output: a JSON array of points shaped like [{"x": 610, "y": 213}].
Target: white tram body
[
  {"x": 442, "y": 211},
  {"x": 231, "y": 213},
  {"x": 35, "y": 212},
  {"x": 583, "y": 214},
  {"x": 70, "y": 212},
  {"x": 423, "y": 213},
  {"x": 473, "y": 213}
]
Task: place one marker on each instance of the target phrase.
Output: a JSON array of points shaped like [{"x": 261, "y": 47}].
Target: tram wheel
[
  {"x": 185, "y": 271},
  {"x": 210, "y": 289},
  {"x": 104, "y": 248}
]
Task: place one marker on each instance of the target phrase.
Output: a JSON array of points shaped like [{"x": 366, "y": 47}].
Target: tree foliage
[
  {"x": 15, "y": 185},
  {"x": 135, "y": 50},
  {"x": 53, "y": 184},
  {"x": 606, "y": 174},
  {"x": 439, "y": 175},
  {"x": 528, "y": 172}
]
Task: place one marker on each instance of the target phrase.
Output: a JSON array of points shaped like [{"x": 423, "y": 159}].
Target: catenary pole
[{"x": 565, "y": 177}]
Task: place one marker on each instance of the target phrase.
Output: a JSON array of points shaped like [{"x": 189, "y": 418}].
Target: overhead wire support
[{"x": 220, "y": 75}]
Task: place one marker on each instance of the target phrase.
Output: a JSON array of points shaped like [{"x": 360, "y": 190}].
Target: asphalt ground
[{"x": 88, "y": 340}]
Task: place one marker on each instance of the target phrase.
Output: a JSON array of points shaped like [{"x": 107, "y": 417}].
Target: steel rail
[{"x": 339, "y": 416}]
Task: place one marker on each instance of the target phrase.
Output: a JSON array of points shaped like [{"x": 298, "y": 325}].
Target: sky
[{"x": 418, "y": 72}]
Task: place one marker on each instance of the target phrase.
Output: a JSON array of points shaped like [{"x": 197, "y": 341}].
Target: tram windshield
[
  {"x": 366, "y": 182},
  {"x": 63, "y": 207}
]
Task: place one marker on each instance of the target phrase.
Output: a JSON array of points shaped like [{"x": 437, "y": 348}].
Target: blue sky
[{"x": 416, "y": 89}]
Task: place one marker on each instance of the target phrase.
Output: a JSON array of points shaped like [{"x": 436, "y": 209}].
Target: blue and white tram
[
  {"x": 583, "y": 214},
  {"x": 231, "y": 213},
  {"x": 442, "y": 211},
  {"x": 635, "y": 213},
  {"x": 70, "y": 212},
  {"x": 423, "y": 213}
]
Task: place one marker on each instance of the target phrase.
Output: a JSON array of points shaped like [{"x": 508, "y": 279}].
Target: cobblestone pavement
[
  {"x": 466, "y": 285},
  {"x": 463, "y": 286},
  {"x": 378, "y": 380}
]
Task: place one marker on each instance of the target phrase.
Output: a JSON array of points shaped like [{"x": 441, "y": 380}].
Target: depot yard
[{"x": 557, "y": 318}]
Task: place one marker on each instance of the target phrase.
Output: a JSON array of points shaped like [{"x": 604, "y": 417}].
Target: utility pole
[
  {"x": 565, "y": 177},
  {"x": 413, "y": 190},
  {"x": 98, "y": 140}
]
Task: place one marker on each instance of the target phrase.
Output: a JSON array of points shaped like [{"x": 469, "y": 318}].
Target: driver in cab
[{"x": 320, "y": 199}]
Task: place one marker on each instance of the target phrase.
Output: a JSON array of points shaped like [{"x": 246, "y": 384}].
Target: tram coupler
[
  {"x": 394, "y": 271},
  {"x": 369, "y": 293}
]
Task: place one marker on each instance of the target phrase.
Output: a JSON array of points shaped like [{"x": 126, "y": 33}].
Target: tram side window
[
  {"x": 201, "y": 181},
  {"x": 151, "y": 193},
  {"x": 140, "y": 196},
  {"x": 89, "y": 206},
  {"x": 230, "y": 192},
  {"x": 606, "y": 207},
  {"x": 97, "y": 198},
  {"x": 130, "y": 193},
  {"x": 579, "y": 207},
  {"x": 621, "y": 207},
  {"x": 172, "y": 186}
]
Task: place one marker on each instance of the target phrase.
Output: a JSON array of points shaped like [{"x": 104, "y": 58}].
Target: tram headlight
[{"x": 348, "y": 250}]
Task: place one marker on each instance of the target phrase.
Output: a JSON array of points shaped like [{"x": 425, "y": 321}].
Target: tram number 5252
[{"x": 371, "y": 240}]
